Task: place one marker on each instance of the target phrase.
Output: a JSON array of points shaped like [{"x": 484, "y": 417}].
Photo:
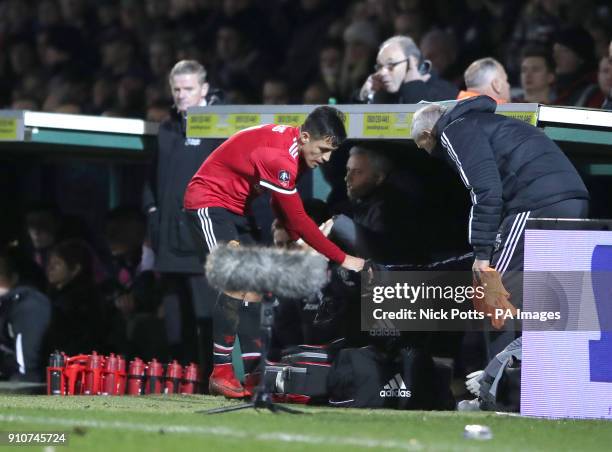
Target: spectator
[
  {"x": 330, "y": 66},
  {"x": 119, "y": 56},
  {"x": 133, "y": 21},
  {"x": 78, "y": 319},
  {"x": 16, "y": 18},
  {"x": 48, "y": 14},
  {"x": 601, "y": 34},
  {"x": 316, "y": 94},
  {"x": 25, "y": 314},
  {"x": 77, "y": 13},
  {"x": 23, "y": 58},
  {"x": 59, "y": 50},
  {"x": 608, "y": 102},
  {"x": 130, "y": 97},
  {"x": 480, "y": 27},
  {"x": 161, "y": 56},
  {"x": 574, "y": 54},
  {"x": 537, "y": 75},
  {"x": 604, "y": 80},
  {"x": 360, "y": 40},
  {"x": 158, "y": 112},
  {"x": 486, "y": 76},
  {"x": 411, "y": 23},
  {"x": 103, "y": 95},
  {"x": 440, "y": 48},
  {"x": 403, "y": 76},
  {"x": 238, "y": 65},
  {"x": 107, "y": 15},
  {"x": 537, "y": 24},
  {"x": 43, "y": 223},
  {"x": 275, "y": 92},
  {"x": 65, "y": 90},
  {"x": 311, "y": 20}
]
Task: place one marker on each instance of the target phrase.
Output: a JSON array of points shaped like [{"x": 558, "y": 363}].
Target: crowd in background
[{"x": 112, "y": 57}]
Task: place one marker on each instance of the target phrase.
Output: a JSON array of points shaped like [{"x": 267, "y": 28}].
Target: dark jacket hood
[{"x": 483, "y": 104}]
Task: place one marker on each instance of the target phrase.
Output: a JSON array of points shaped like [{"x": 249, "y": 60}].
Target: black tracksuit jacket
[{"x": 507, "y": 165}]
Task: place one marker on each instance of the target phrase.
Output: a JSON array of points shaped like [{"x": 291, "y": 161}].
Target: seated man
[{"x": 381, "y": 231}]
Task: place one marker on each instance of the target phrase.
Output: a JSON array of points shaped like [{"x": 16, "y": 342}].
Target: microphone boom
[{"x": 285, "y": 273}]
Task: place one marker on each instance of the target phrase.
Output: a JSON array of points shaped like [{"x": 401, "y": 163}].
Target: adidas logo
[
  {"x": 395, "y": 388},
  {"x": 384, "y": 327},
  {"x": 192, "y": 142}
]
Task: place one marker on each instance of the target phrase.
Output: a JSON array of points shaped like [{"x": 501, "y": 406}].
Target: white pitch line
[{"x": 219, "y": 431}]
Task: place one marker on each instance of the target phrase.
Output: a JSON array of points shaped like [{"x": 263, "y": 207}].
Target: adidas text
[{"x": 395, "y": 393}]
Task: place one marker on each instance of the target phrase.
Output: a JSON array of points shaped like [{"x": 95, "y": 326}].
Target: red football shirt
[{"x": 253, "y": 160}]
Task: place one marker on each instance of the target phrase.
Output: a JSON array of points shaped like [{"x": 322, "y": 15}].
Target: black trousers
[{"x": 509, "y": 255}]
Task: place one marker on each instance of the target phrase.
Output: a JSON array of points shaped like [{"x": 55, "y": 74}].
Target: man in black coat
[
  {"x": 175, "y": 162},
  {"x": 513, "y": 172},
  {"x": 403, "y": 77},
  {"x": 382, "y": 231},
  {"x": 25, "y": 314}
]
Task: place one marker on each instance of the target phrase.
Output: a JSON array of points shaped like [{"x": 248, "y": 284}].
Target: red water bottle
[
  {"x": 174, "y": 373},
  {"x": 121, "y": 375},
  {"x": 93, "y": 374},
  {"x": 109, "y": 381},
  {"x": 74, "y": 374},
  {"x": 191, "y": 379},
  {"x": 55, "y": 374},
  {"x": 136, "y": 377},
  {"x": 155, "y": 373}
]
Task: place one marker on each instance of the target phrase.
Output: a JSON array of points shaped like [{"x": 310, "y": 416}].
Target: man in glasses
[{"x": 403, "y": 76}]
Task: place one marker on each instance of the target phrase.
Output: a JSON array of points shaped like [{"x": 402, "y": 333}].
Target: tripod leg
[
  {"x": 276, "y": 407},
  {"x": 228, "y": 409}
]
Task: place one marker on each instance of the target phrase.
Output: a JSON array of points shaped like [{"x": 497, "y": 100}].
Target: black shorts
[{"x": 212, "y": 226}]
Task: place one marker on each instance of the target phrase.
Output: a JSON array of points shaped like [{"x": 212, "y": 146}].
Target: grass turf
[{"x": 162, "y": 423}]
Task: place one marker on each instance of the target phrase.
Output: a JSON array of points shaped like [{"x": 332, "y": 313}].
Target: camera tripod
[{"x": 262, "y": 398}]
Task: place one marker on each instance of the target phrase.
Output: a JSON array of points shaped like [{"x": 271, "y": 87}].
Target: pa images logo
[{"x": 284, "y": 177}]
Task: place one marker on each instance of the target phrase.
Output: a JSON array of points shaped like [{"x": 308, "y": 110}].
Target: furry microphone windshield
[{"x": 285, "y": 273}]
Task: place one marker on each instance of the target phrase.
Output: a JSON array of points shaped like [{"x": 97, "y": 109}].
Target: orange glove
[{"x": 494, "y": 295}]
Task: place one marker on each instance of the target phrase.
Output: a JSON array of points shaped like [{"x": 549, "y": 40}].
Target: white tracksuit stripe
[
  {"x": 204, "y": 230},
  {"x": 208, "y": 229},
  {"x": 507, "y": 244},
  {"x": 210, "y": 226},
  {"x": 19, "y": 354},
  {"x": 453, "y": 155},
  {"x": 518, "y": 236}
]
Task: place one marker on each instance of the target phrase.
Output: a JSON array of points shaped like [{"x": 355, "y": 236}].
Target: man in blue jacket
[{"x": 513, "y": 172}]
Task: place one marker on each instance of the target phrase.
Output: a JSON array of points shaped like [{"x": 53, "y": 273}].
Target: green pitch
[{"x": 171, "y": 423}]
